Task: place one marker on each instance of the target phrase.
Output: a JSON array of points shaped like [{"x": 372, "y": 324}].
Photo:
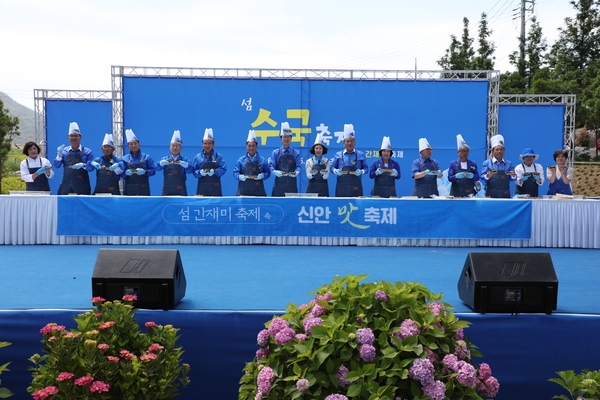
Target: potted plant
[
  {"x": 380, "y": 340},
  {"x": 107, "y": 357}
]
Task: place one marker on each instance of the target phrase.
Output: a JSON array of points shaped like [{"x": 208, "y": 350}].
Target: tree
[
  {"x": 574, "y": 57},
  {"x": 485, "y": 52},
  {"x": 459, "y": 56},
  {"x": 9, "y": 128}
]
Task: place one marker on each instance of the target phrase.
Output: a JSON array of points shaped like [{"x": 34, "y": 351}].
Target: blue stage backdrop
[
  {"x": 94, "y": 118},
  {"x": 404, "y": 110},
  {"x": 540, "y": 127}
]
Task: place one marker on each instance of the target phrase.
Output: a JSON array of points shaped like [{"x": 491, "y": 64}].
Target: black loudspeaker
[
  {"x": 156, "y": 277},
  {"x": 509, "y": 283}
]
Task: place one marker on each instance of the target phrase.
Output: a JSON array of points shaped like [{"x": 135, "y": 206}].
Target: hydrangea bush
[
  {"x": 107, "y": 357},
  {"x": 381, "y": 340},
  {"x": 581, "y": 386}
]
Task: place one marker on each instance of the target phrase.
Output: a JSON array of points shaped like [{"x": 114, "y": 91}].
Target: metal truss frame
[
  {"x": 119, "y": 72},
  {"x": 41, "y": 95},
  {"x": 566, "y": 100}
]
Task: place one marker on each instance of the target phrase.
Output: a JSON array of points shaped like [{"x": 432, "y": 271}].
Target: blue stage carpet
[{"x": 262, "y": 277}]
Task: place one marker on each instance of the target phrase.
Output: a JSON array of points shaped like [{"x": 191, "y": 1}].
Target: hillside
[{"x": 26, "y": 118}]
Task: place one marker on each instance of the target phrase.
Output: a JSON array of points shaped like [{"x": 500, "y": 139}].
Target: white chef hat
[
  {"x": 176, "y": 138},
  {"x": 251, "y": 136},
  {"x": 460, "y": 142},
  {"x": 74, "y": 128},
  {"x": 108, "y": 140},
  {"x": 497, "y": 140},
  {"x": 285, "y": 129},
  {"x": 130, "y": 135},
  {"x": 424, "y": 144},
  {"x": 348, "y": 131},
  {"x": 208, "y": 135},
  {"x": 386, "y": 143},
  {"x": 320, "y": 139}
]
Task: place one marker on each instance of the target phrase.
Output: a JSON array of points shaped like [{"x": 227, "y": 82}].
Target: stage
[{"x": 233, "y": 290}]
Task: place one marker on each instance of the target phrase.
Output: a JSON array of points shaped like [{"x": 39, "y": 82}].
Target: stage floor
[{"x": 264, "y": 277}]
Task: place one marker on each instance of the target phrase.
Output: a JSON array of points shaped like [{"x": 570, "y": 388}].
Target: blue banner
[{"x": 310, "y": 217}]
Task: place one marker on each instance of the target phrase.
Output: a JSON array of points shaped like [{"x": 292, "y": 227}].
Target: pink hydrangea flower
[
  {"x": 49, "y": 328},
  {"x": 106, "y": 325},
  {"x": 148, "y": 357},
  {"x": 64, "y": 376},
  {"x": 97, "y": 300},
  {"x": 84, "y": 380},
  {"x": 103, "y": 346},
  {"x": 489, "y": 387},
  {"x": 263, "y": 337},
  {"x": 381, "y": 296},
  {"x": 45, "y": 392},
  {"x": 113, "y": 359},
  {"x": 154, "y": 347},
  {"x": 484, "y": 371},
  {"x": 99, "y": 387},
  {"x": 336, "y": 396},
  {"x": 126, "y": 354},
  {"x": 284, "y": 336},
  {"x": 435, "y": 390},
  {"x": 422, "y": 371},
  {"x": 262, "y": 353},
  {"x": 467, "y": 375},
  {"x": 301, "y": 337},
  {"x": 150, "y": 324},
  {"x": 309, "y": 322},
  {"x": 130, "y": 298}
]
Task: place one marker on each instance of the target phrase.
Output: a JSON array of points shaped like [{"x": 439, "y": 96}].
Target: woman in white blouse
[{"x": 35, "y": 169}]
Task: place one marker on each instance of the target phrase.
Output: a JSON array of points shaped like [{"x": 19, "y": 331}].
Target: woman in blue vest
[
  {"x": 349, "y": 166},
  {"x": 108, "y": 168},
  {"x": 559, "y": 175},
  {"x": 385, "y": 172},
  {"x": 75, "y": 160},
  {"x": 425, "y": 172},
  {"x": 209, "y": 166},
  {"x": 317, "y": 168},
  {"x": 251, "y": 170},
  {"x": 174, "y": 167},
  {"x": 462, "y": 172},
  {"x": 139, "y": 167},
  {"x": 285, "y": 163},
  {"x": 35, "y": 169}
]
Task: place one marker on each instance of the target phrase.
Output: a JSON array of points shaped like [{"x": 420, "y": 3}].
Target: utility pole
[{"x": 524, "y": 9}]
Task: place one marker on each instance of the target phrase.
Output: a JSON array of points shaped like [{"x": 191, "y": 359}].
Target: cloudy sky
[{"x": 72, "y": 44}]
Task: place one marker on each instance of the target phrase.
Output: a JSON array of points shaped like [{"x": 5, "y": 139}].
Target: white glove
[
  {"x": 311, "y": 175},
  {"x": 59, "y": 150},
  {"x": 358, "y": 172},
  {"x": 211, "y": 172},
  {"x": 79, "y": 165},
  {"x": 96, "y": 165},
  {"x": 394, "y": 173},
  {"x": 278, "y": 173},
  {"x": 184, "y": 164},
  {"x": 162, "y": 163},
  {"x": 259, "y": 177},
  {"x": 242, "y": 177},
  {"x": 140, "y": 171},
  {"x": 292, "y": 174},
  {"x": 378, "y": 171}
]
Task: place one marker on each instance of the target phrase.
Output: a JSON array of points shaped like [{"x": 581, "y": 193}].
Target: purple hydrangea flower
[
  {"x": 467, "y": 375},
  {"x": 451, "y": 361},
  {"x": 489, "y": 387},
  {"x": 284, "y": 336},
  {"x": 408, "y": 327},
  {"x": 277, "y": 324},
  {"x": 327, "y": 296},
  {"x": 437, "y": 308},
  {"x": 365, "y": 336},
  {"x": 341, "y": 374},
  {"x": 460, "y": 334},
  {"x": 263, "y": 337},
  {"x": 381, "y": 296},
  {"x": 336, "y": 397},
  {"x": 265, "y": 380},
  {"x": 421, "y": 370},
  {"x": 433, "y": 357},
  {"x": 301, "y": 337},
  {"x": 309, "y": 322},
  {"x": 302, "y": 385},
  {"x": 262, "y": 353},
  {"x": 484, "y": 371},
  {"x": 318, "y": 310},
  {"x": 367, "y": 352},
  {"x": 435, "y": 390}
]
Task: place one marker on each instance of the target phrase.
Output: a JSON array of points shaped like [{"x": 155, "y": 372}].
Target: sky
[{"x": 72, "y": 44}]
